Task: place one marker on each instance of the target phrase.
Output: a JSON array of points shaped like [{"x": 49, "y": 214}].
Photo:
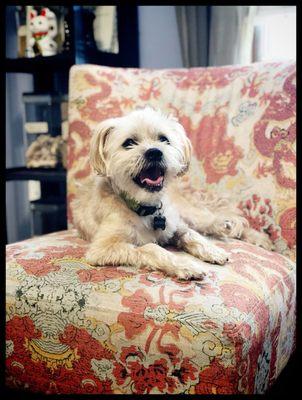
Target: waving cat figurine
[{"x": 44, "y": 29}]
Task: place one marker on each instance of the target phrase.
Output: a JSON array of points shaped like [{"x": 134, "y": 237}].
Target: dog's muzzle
[{"x": 151, "y": 177}]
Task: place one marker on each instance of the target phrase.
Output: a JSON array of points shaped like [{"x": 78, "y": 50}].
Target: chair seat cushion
[{"x": 73, "y": 328}]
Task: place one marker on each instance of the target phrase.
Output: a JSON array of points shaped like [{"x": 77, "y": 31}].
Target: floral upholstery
[{"x": 74, "y": 328}]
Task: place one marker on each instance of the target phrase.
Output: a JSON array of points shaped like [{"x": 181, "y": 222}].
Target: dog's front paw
[
  {"x": 205, "y": 250},
  {"x": 186, "y": 268},
  {"x": 190, "y": 271},
  {"x": 210, "y": 253},
  {"x": 215, "y": 255},
  {"x": 93, "y": 258}
]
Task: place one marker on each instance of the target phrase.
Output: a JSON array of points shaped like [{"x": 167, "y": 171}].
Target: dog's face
[{"x": 140, "y": 152}]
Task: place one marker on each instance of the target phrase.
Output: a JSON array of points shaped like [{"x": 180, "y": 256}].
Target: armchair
[{"x": 74, "y": 328}]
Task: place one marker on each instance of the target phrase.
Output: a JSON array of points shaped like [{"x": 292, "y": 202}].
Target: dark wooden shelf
[
  {"x": 36, "y": 174},
  {"x": 50, "y": 200},
  {"x": 48, "y": 205},
  {"x": 59, "y": 62}
]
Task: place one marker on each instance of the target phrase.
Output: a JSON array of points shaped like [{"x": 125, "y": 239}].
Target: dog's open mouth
[{"x": 151, "y": 178}]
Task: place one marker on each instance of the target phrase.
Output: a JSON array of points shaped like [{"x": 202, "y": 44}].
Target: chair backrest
[{"x": 241, "y": 121}]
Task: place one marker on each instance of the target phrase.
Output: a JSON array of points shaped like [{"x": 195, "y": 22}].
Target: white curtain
[
  {"x": 231, "y": 35},
  {"x": 193, "y": 32},
  {"x": 216, "y": 35}
]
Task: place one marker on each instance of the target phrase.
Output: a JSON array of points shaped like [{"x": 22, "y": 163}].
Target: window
[{"x": 275, "y": 33}]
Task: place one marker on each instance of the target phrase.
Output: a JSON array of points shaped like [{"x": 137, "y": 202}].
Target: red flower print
[
  {"x": 135, "y": 322},
  {"x": 237, "y": 333},
  {"x": 150, "y": 89},
  {"x": 290, "y": 86},
  {"x": 97, "y": 109},
  {"x": 263, "y": 169},
  {"x": 246, "y": 301},
  {"x": 187, "y": 371},
  {"x": 152, "y": 278},
  {"x": 284, "y": 164},
  {"x": 280, "y": 148},
  {"x": 238, "y": 297},
  {"x": 18, "y": 329},
  {"x": 127, "y": 102},
  {"x": 276, "y": 142},
  {"x": 203, "y": 79},
  {"x": 217, "y": 151},
  {"x": 78, "y": 142},
  {"x": 274, "y": 340},
  {"x": 92, "y": 81},
  {"x": 44, "y": 265},
  {"x": 144, "y": 375},
  {"x": 100, "y": 105},
  {"x": 288, "y": 226},
  {"x": 87, "y": 347},
  {"x": 259, "y": 213},
  {"x": 102, "y": 274},
  {"x": 218, "y": 379},
  {"x": 145, "y": 379},
  {"x": 110, "y": 76},
  {"x": 144, "y": 372},
  {"x": 253, "y": 83},
  {"x": 144, "y": 312},
  {"x": 39, "y": 267},
  {"x": 39, "y": 378}
]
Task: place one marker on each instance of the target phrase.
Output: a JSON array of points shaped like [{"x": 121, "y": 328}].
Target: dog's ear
[
  {"x": 186, "y": 144},
  {"x": 187, "y": 153},
  {"x": 97, "y": 144}
]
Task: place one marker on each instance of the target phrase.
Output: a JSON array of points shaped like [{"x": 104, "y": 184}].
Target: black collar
[
  {"x": 141, "y": 209},
  {"x": 159, "y": 221}
]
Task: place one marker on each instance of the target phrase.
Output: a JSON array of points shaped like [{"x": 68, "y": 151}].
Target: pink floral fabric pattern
[
  {"x": 241, "y": 122},
  {"x": 73, "y": 328}
]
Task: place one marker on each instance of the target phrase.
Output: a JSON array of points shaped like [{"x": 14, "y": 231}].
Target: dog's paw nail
[{"x": 198, "y": 277}]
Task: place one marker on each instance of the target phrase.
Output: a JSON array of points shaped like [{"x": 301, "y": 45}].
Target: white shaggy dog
[{"x": 136, "y": 205}]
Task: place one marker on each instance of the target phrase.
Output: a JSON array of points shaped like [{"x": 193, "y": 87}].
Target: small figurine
[
  {"x": 44, "y": 29},
  {"x": 46, "y": 152}
]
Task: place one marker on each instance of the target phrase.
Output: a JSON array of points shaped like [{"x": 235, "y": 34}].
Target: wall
[{"x": 159, "y": 44}]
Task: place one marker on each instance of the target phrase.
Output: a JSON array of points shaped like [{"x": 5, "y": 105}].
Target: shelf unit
[
  {"x": 37, "y": 64},
  {"x": 36, "y": 174},
  {"x": 47, "y": 214}
]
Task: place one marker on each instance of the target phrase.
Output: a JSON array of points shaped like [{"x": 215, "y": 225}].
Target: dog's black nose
[{"x": 153, "y": 154}]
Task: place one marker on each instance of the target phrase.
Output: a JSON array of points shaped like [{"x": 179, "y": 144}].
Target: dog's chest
[{"x": 161, "y": 236}]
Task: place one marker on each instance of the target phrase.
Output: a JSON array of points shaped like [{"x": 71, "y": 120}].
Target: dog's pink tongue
[{"x": 156, "y": 181}]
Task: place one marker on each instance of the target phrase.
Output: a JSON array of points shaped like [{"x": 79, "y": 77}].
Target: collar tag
[{"x": 159, "y": 223}]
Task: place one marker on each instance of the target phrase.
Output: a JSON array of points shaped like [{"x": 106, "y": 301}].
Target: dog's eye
[
  {"x": 128, "y": 143},
  {"x": 163, "y": 138}
]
